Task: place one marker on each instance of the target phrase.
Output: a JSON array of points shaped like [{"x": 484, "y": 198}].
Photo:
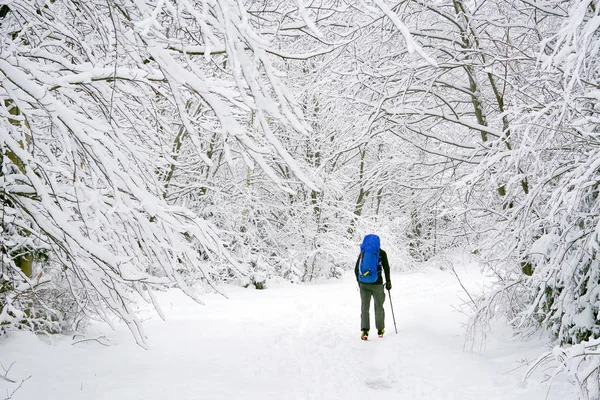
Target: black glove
[{"x": 388, "y": 285}]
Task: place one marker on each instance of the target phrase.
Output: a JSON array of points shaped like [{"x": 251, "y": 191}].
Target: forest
[{"x": 152, "y": 144}]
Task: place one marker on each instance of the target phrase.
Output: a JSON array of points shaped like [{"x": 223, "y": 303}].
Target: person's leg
[
  {"x": 379, "y": 299},
  {"x": 365, "y": 305}
]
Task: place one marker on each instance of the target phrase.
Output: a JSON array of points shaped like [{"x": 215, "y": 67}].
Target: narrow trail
[{"x": 287, "y": 342}]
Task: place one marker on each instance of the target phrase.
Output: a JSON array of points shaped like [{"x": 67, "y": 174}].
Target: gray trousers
[{"x": 366, "y": 291}]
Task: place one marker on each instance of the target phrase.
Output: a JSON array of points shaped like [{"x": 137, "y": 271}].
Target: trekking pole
[{"x": 392, "y": 307}]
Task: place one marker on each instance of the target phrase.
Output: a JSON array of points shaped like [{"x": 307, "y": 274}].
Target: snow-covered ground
[{"x": 287, "y": 342}]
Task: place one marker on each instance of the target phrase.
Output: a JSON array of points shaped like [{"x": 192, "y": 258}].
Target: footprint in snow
[{"x": 378, "y": 384}]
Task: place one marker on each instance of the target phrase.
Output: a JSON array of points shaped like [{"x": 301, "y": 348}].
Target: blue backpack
[{"x": 369, "y": 259}]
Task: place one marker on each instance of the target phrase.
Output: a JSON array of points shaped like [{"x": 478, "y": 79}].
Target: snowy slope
[{"x": 287, "y": 342}]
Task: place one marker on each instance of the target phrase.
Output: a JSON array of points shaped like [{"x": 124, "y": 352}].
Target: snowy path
[{"x": 287, "y": 342}]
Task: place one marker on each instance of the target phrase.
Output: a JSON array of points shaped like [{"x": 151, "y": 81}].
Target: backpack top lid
[{"x": 370, "y": 243}]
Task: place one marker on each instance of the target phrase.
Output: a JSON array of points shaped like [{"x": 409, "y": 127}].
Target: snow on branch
[
  {"x": 101, "y": 117},
  {"x": 411, "y": 44}
]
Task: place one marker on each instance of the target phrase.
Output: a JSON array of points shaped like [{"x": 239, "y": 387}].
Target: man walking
[{"x": 368, "y": 270}]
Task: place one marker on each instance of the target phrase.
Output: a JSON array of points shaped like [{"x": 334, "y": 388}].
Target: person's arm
[
  {"x": 356, "y": 268},
  {"x": 386, "y": 270}
]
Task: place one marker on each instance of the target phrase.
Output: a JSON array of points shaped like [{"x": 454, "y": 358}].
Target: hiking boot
[
  {"x": 364, "y": 334},
  {"x": 380, "y": 332}
]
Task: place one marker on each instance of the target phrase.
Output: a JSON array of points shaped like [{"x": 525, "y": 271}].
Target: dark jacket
[{"x": 383, "y": 264}]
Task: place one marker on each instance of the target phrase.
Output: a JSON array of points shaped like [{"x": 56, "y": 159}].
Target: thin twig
[
  {"x": 6, "y": 379},
  {"x": 98, "y": 339},
  {"x": 461, "y": 284},
  {"x": 6, "y": 371},
  {"x": 9, "y": 396}
]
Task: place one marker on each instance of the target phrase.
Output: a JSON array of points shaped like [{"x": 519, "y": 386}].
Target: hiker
[{"x": 371, "y": 261}]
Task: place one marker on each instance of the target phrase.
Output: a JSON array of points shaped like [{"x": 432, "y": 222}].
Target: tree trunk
[{"x": 362, "y": 193}]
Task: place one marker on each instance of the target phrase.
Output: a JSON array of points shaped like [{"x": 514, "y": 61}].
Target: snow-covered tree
[
  {"x": 553, "y": 276},
  {"x": 99, "y": 101}
]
